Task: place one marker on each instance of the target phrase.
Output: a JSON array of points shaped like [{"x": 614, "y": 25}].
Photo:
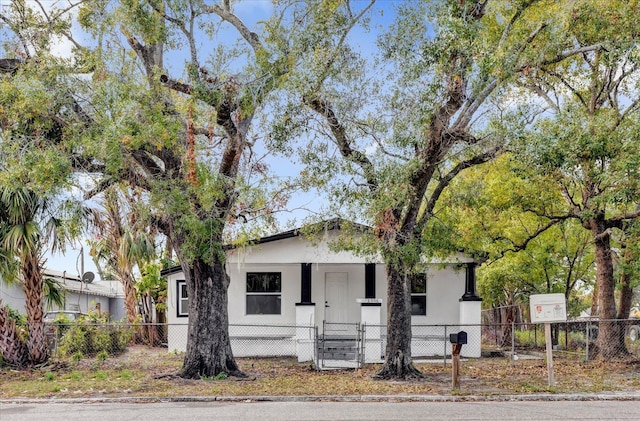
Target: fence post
[
  {"x": 444, "y": 354},
  {"x": 588, "y": 339},
  {"x": 513, "y": 341},
  {"x": 363, "y": 344}
]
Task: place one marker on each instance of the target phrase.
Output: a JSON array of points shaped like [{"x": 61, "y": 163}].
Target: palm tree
[
  {"x": 20, "y": 237},
  {"x": 12, "y": 349},
  {"x": 22, "y": 242},
  {"x": 123, "y": 242}
]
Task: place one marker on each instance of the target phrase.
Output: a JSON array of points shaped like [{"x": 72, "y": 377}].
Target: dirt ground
[{"x": 147, "y": 372}]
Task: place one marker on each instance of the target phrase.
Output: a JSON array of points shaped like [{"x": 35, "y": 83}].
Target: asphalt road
[{"x": 266, "y": 411}]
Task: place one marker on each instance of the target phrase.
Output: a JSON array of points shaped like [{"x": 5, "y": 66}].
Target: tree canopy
[{"x": 183, "y": 104}]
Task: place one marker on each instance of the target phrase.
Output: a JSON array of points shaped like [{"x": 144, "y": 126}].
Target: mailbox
[{"x": 458, "y": 338}]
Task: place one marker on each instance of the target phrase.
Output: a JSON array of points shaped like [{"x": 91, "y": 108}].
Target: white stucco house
[
  {"x": 107, "y": 296},
  {"x": 286, "y": 286}
]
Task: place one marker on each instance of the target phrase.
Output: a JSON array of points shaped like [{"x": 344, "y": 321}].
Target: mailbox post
[{"x": 457, "y": 340}]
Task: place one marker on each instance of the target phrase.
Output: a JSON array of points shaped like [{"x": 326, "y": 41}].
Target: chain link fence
[
  {"x": 83, "y": 339},
  {"x": 581, "y": 340}
]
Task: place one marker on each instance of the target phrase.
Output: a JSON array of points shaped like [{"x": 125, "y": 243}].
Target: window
[
  {"x": 183, "y": 299},
  {"x": 419, "y": 294},
  {"x": 264, "y": 292}
]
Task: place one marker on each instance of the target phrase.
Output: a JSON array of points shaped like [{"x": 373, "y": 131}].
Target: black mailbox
[{"x": 458, "y": 338}]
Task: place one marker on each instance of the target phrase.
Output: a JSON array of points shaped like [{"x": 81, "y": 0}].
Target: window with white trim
[
  {"x": 419, "y": 294},
  {"x": 264, "y": 292},
  {"x": 183, "y": 299}
]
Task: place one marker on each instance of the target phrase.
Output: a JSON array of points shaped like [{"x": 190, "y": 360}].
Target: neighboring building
[
  {"x": 107, "y": 296},
  {"x": 285, "y": 285}
]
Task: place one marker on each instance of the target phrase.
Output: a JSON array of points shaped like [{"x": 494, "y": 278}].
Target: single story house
[
  {"x": 105, "y": 296},
  {"x": 287, "y": 290}
]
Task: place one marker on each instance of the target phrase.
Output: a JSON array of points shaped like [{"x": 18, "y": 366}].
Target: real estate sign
[{"x": 548, "y": 308}]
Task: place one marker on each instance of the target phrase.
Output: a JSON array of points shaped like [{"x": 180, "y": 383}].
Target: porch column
[
  {"x": 305, "y": 317},
  {"x": 370, "y": 280},
  {"x": 305, "y": 283},
  {"x": 470, "y": 314},
  {"x": 470, "y": 284},
  {"x": 370, "y": 313}
]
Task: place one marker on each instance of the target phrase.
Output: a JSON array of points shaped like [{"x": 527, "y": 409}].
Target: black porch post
[
  {"x": 370, "y": 280},
  {"x": 305, "y": 283},
  {"x": 470, "y": 284}
]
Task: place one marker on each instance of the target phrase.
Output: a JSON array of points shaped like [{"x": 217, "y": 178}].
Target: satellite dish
[{"x": 88, "y": 277}]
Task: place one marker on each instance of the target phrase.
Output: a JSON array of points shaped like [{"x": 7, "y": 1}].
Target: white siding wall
[
  {"x": 85, "y": 302},
  {"x": 13, "y": 296},
  {"x": 445, "y": 286},
  {"x": 292, "y": 250},
  {"x": 237, "y": 295}
]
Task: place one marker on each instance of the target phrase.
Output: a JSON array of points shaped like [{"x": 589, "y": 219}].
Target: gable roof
[
  {"x": 320, "y": 227},
  {"x": 328, "y": 225}
]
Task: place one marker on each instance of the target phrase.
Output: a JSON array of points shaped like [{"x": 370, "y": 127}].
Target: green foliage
[
  {"x": 102, "y": 356},
  {"x": 498, "y": 214},
  {"x": 77, "y": 356},
  {"x": 94, "y": 336},
  {"x": 220, "y": 376},
  {"x": 15, "y": 315}
]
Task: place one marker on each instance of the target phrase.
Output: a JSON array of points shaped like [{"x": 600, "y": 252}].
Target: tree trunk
[
  {"x": 594, "y": 301},
  {"x": 33, "y": 285},
  {"x": 12, "y": 350},
  {"x": 608, "y": 331},
  {"x": 130, "y": 300},
  {"x": 399, "y": 364},
  {"x": 626, "y": 291},
  {"x": 624, "y": 306},
  {"x": 150, "y": 331},
  {"x": 208, "y": 345}
]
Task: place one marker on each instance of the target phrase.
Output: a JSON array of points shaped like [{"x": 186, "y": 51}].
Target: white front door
[{"x": 336, "y": 295}]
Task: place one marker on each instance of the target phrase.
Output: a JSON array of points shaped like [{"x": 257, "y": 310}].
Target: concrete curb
[{"x": 337, "y": 398}]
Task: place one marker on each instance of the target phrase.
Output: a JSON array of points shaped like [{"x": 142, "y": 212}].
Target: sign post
[{"x": 548, "y": 308}]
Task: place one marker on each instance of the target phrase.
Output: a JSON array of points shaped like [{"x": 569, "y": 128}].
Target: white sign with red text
[{"x": 548, "y": 308}]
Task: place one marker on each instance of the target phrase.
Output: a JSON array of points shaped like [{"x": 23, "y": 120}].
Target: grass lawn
[{"x": 144, "y": 372}]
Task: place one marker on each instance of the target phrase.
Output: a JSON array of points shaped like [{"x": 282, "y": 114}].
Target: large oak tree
[
  {"x": 433, "y": 99},
  {"x": 589, "y": 145},
  {"x": 169, "y": 106}
]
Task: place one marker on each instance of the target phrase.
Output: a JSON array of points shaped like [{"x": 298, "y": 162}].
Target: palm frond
[{"x": 54, "y": 293}]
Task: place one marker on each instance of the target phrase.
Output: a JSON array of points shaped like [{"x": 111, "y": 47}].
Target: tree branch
[
  {"x": 175, "y": 85},
  {"x": 523, "y": 245},
  {"x": 568, "y": 85},
  {"x": 619, "y": 220},
  {"x": 225, "y": 13},
  {"x": 461, "y": 166},
  {"x": 10, "y": 65},
  {"x": 324, "y": 109},
  {"x": 341, "y": 41},
  {"x": 564, "y": 55}
]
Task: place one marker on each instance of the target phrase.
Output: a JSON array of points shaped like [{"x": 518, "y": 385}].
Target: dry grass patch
[{"x": 153, "y": 373}]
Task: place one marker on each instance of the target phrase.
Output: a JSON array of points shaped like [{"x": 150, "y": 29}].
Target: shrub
[
  {"x": 93, "y": 335},
  {"x": 102, "y": 356}
]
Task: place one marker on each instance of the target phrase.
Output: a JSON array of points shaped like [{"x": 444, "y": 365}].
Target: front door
[{"x": 336, "y": 295}]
